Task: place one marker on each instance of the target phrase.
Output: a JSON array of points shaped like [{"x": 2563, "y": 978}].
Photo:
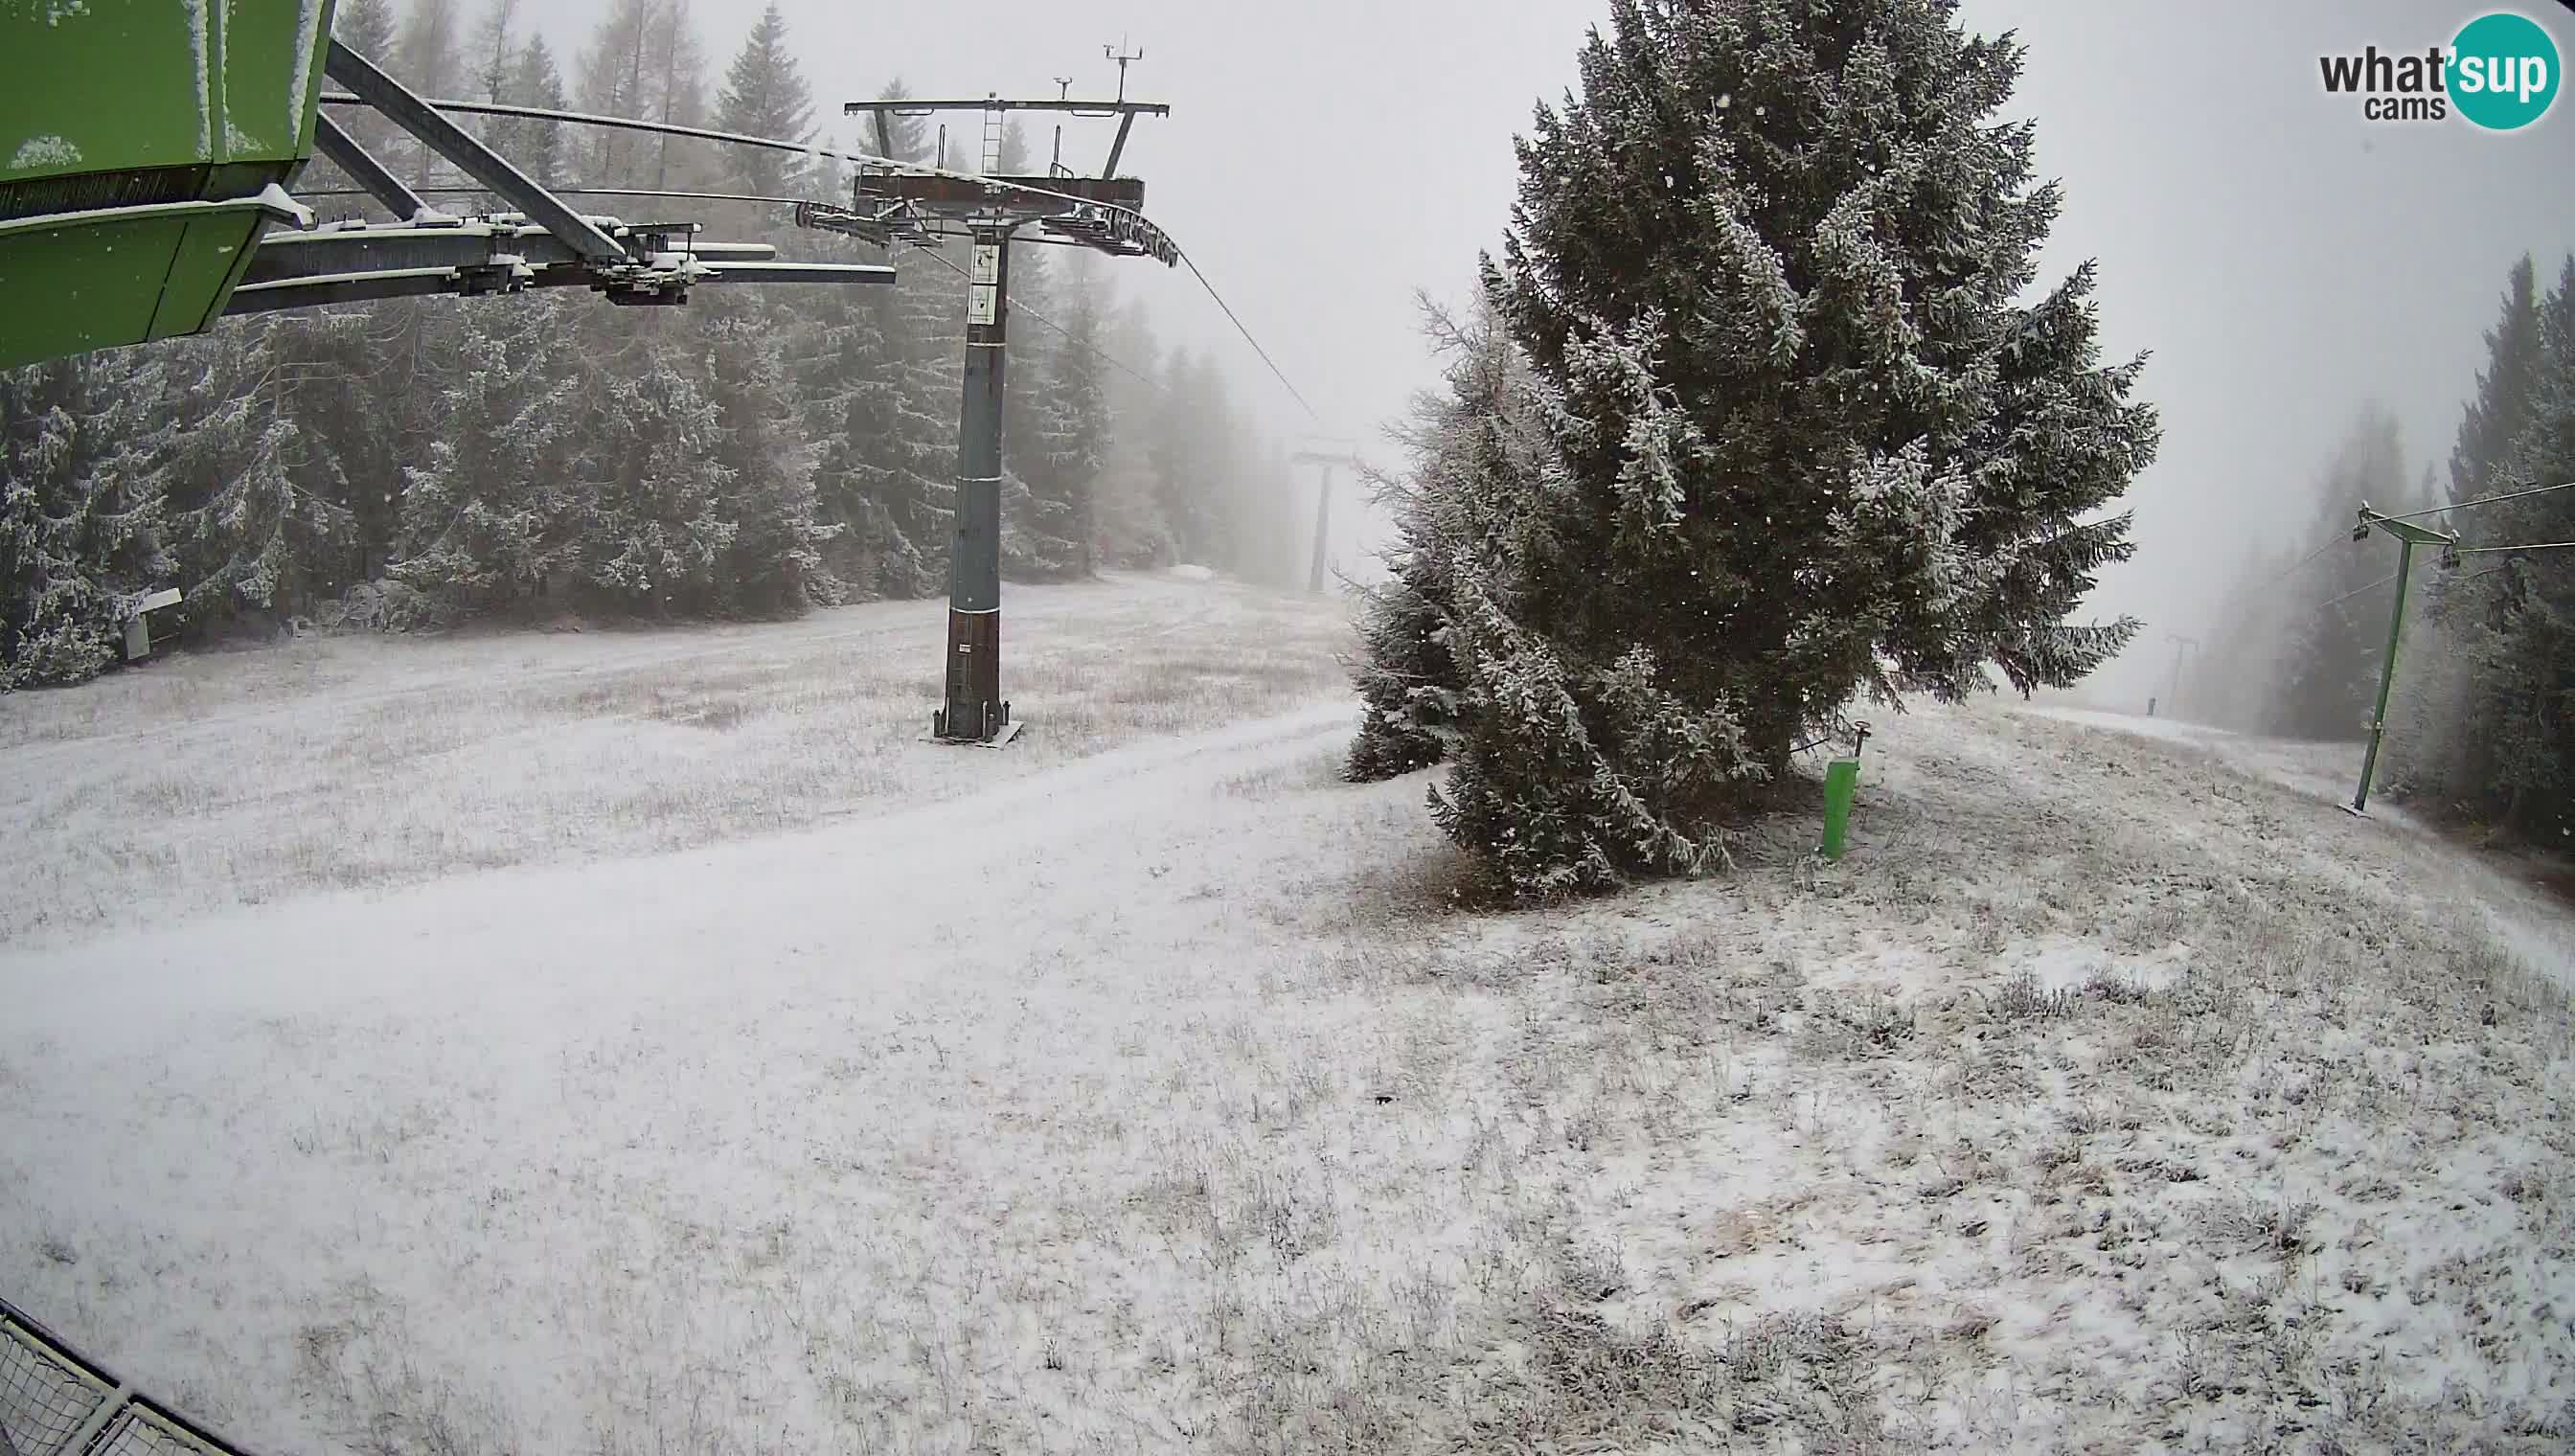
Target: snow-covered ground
[
  {"x": 203, "y": 782},
  {"x": 2533, "y": 925},
  {"x": 1152, "y": 1092}
]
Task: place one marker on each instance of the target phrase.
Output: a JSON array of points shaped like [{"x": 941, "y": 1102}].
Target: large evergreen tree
[
  {"x": 489, "y": 515},
  {"x": 492, "y": 55},
  {"x": 495, "y": 50},
  {"x": 255, "y": 500},
  {"x": 80, "y": 512},
  {"x": 537, "y": 147},
  {"x": 2478, "y": 729},
  {"x": 1483, "y": 430},
  {"x": 1807, "y": 438},
  {"x": 616, "y": 75},
  {"x": 843, "y": 376},
  {"x": 775, "y": 564},
  {"x": 765, "y": 95},
  {"x": 2500, "y": 411},
  {"x": 429, "y": 56},
  {"x": 659, "y": 524},
  {"x": 923, "y": 324},
  {"x": 1073, "y": 431},
  {"x": 2523, "y": 726},
  {"x": 367, "y": 27}
]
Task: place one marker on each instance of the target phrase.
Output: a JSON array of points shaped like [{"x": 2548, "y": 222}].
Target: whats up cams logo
[{"x": 2500, "y": 73}]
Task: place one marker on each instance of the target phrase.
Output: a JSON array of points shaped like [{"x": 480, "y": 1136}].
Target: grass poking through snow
[
  {"x": 2103, "y": 1099},
  {"x": 241, "y": 777}
]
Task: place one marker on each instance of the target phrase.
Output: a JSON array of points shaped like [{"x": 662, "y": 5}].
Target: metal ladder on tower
[{"x": 992, "y": 132}]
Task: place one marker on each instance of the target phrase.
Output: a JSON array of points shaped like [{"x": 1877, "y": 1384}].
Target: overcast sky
[{"x": 2282, "y": 258}]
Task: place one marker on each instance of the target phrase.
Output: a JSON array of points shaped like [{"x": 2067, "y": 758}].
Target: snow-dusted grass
[
  {"x": 2530, "y": 923},
  {"x": 2104, "y": 1098},
  {"x": 240, "y": 777}
]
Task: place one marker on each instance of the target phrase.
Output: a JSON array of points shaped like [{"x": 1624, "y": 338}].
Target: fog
[{"x": 2284, "y": 259}]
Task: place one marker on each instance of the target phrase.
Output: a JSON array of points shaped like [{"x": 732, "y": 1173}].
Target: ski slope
[
  {"x": 2527, "y": 920},
  {"x": 1153, "y": 1094}
]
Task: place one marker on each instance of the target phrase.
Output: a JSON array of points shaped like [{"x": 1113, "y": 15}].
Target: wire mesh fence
[
  {"x": 47, "y": 1394},
  {"x": 56, "y": 1402},
  {"x": 144, "y": 1429}
]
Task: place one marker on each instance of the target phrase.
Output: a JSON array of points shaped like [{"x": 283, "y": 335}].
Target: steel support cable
[
  {"x": 2484, "y": 501},
  {"x": 2436, "y": 511},
  {"x": 2525, "y": 546},
  {"x": 2356, "y": 591}
]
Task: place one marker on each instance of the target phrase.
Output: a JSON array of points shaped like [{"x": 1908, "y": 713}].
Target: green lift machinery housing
[{"x": 144, "y": 148}]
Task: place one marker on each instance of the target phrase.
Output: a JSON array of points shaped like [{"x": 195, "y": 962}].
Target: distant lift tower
[
  {"x": 1100, "y": 213},
  {"x": 1329, "y": 459}
]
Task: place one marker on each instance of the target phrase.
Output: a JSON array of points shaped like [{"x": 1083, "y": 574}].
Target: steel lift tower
[
  {"x": 1328, "y": 459},
  {"x": 892, "y": 207}
]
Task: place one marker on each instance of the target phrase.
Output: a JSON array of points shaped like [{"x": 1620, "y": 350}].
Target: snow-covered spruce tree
[
  {"x": 846, "y": 383},
  {"x": 2451, "y": 695},
  {"x": 255, "y": 501},
  {"x": 488, "y": 514},
  {"x": 535, "y": 80},
  {"x": 2527, "y": 677},
  {"x": 1767, "y": 268},
  {"x": 2493, "y": 420},
  {"x": 926, "y": 323},
  {"x": 914, "y": 455},
  {"x": 773, "y": 566},
  {"x": 2438, "y": 751},
  {"x": 765, "y": 95},
  {"x": 80, "y": 512},
  {"x": 654, "y": 525},
  {"x": 1468, "y": 444},
  {"x": 367, "y": 27},
  {"x": 1075, "y": 428}
]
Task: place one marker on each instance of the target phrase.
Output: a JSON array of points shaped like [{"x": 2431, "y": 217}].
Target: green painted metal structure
[
  {"x": 144, "y": 146},
  {"x": 2408, "y": 536},
  {"x": 1842, "y": 781}
]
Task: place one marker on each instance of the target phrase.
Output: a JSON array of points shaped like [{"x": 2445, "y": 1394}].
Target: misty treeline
[
  {"x": 1749, "y": 422},
  {"x": 2481, "y": 721},
  {"x": 760, "y": 449}
]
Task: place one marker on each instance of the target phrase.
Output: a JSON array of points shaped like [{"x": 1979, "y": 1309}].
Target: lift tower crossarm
[
  {"x": 353, "y": 157},
  {"x": 1126, "y": 111},
  {"x": 479, "y": 162}
]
